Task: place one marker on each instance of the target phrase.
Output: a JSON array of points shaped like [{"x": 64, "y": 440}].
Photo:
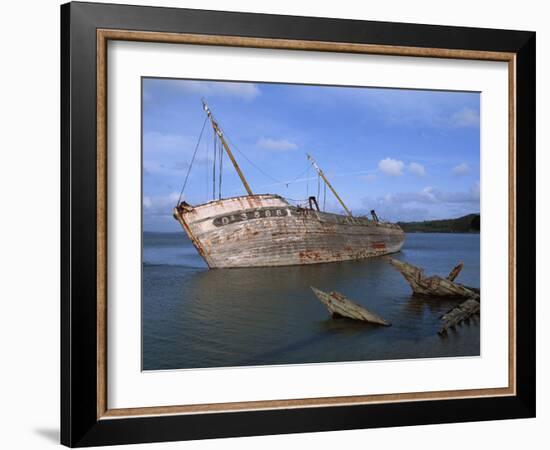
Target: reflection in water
[
  {"x": 194, "y": 317},
  {"x": 418, "y": 305}
]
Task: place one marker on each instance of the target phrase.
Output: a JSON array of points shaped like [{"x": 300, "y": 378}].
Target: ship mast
[
  {"x": 226, "y": 147},
  {"x": 322, "y": 175}
]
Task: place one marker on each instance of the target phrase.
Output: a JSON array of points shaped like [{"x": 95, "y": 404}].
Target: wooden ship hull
[{"x": 265, "y": 230}]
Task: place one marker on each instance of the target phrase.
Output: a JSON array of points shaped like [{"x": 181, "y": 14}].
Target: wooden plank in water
[
  {"x": 338, "y": 305},
  {"x": 435, "y": 285},
  {"x": 459, "y": 314}
]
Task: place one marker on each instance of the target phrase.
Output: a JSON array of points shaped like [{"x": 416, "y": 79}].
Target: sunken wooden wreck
[
  {"x": 434, "y": 285},
  {"x": 340, "y": 306},
  {"x": 459, "y": 314},
  {"x": 262, "y": 230},
  {"x": 439, "y": 287}
]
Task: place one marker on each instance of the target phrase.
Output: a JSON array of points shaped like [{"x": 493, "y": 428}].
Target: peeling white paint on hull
[{"x": 265, "y": 231}]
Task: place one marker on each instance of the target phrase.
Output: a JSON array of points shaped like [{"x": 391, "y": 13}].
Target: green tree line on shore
[{"x": 465, "y": 224}]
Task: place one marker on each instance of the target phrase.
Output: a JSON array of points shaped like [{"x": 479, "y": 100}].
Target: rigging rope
[
  {"x": 318, "y": 186},
  {"x": 299, "y": 176},
  {"x": 286, "y": 183},
  {"x": 250, "y": 162},
  {"x": 307, "y": 181},
  {"x": 296, "y": 200},
  {"x": 192, "y": 160},
  {"x": 218, "y": 153},
  {"x": 220, "y": 171}
]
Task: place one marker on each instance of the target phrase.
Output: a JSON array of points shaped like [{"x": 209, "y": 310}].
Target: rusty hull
[{"x": 265, "y": 230}]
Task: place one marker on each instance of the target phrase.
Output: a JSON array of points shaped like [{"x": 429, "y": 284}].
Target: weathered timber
[
  {"x": 264, "y": 230},
  {"x": 322, "y": 175},
  {"x": 459, "y": 314},
  {"x": 455, "y": 272},
  {"x": 340, "y": 306},
  {"x": 435, "y": 285},
  {"x": 226, "y": 147}
]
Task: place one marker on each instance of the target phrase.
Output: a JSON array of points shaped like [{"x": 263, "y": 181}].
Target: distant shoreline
[{"x": 469, "y": 224}]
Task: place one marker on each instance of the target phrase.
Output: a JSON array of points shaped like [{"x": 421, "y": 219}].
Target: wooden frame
[{"x": 86, "y": 418}]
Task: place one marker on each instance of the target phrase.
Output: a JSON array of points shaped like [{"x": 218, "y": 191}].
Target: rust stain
[
  {"x": 310, "y": 255},
  {"x": 254, "y": 234},
  {"x": 380, "y": 245}
]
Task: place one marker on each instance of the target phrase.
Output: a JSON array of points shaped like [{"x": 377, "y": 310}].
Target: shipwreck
[
  {"x": 263, "y": 230},
  {"x": 461, "y": 313},
  {"x": 340, "y": 306},
  {"x": 434, "y": 285},
  {"x": 438, "y": 287}
]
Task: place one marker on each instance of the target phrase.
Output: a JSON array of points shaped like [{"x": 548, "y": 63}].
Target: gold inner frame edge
[{"x": 103, "y": 36}]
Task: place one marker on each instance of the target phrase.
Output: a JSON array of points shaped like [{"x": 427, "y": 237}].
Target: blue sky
[{"x": 411, "y": 155}]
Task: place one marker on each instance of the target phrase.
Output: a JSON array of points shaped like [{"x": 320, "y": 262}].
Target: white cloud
[
  {"x": 466, "y": 117},
  {"x": 281, "y": 145},
  {"x": 161, "y": 205},
  {"x": 461, "y": 169},
  {"x": 392, "y": 167},
  {"x": 417, "y": 169},
  {"x": 433, "y": 195},
  {"x": 428, "y": 203}
]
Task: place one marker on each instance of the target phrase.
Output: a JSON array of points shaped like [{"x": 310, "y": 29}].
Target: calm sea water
[{"x": 196, "y": 318}]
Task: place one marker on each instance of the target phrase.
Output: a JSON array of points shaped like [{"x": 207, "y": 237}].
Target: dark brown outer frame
[{"x": 86, "y": 420}]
